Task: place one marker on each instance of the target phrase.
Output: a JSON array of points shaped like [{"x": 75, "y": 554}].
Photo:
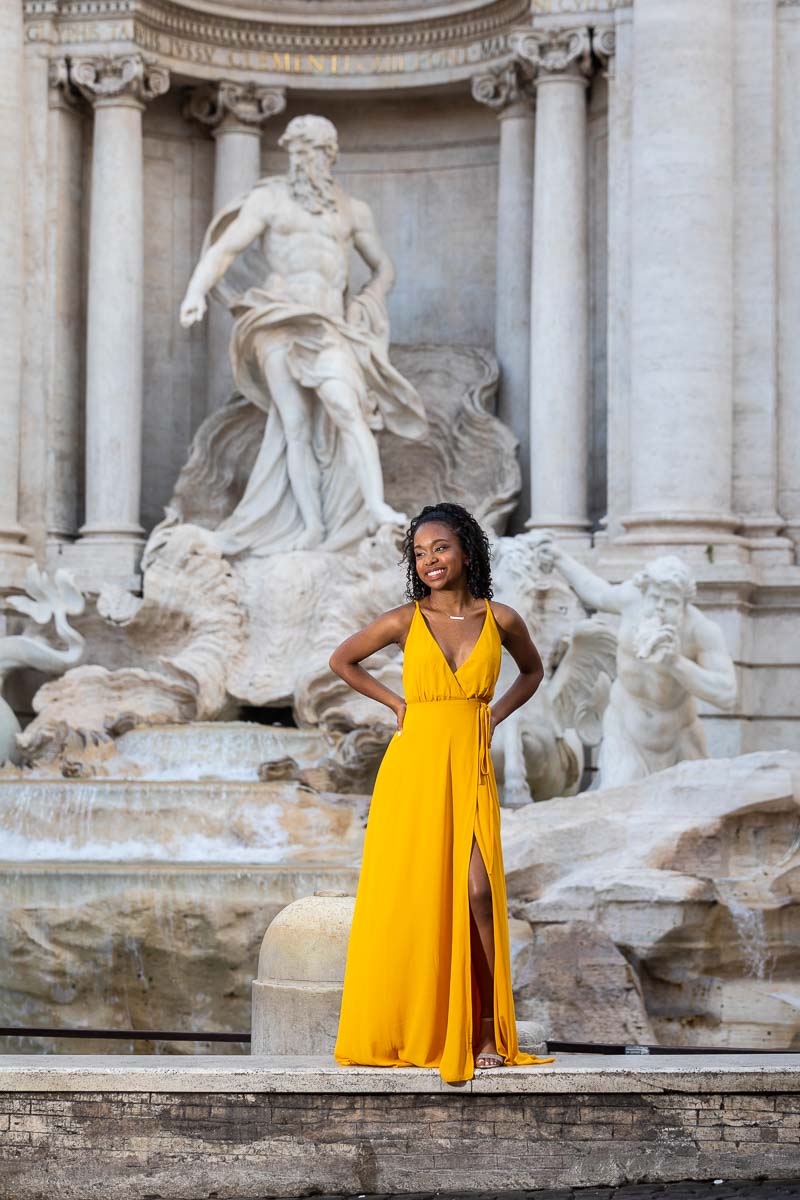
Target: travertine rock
[
  {"x": 693, "y": 874},
  {"x": 580, "y": 986},
  {"x": 141, "y": 946}
]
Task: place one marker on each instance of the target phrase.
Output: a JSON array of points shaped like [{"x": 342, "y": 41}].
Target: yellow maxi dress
[{"x": 410, "y": 991}]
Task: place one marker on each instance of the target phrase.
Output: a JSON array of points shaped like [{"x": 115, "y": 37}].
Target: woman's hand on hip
[{"x": 400, "y": 712}]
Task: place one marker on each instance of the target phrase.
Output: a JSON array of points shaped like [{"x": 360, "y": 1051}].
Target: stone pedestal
[
  {"x": 112, "y": 538},
  {"x": 682, "y": 277},
  {"x": 559, "y": 363},
  {"x": 298, "y": 993},
  {"x": 510, "y": 93},
  {"x": 235, "y": 113}
]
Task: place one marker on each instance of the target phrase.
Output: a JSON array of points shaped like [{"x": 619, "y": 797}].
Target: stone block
[{"x": 298, "y": 993}]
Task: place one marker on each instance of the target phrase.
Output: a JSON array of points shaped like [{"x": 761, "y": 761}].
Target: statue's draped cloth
[{"x": 318, "y": 348}]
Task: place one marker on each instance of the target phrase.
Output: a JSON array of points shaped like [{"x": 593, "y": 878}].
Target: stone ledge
[
  {"x": 570, "y": 1074},
  {"x": 173, "y": 1133}
]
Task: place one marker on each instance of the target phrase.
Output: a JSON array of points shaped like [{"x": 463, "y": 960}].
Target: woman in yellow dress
[{"x": 428, "y": 978}]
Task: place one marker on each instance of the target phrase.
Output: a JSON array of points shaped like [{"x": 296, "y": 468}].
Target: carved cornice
[
  {"x": 554, "y": 51},
  {"x": 578, "y": 7},
  {"x": 217, "y": 28},
  {"x": 125, "y": 78},
  {"x": 504, "y": 86},
  {"x": 245, "y": 103}
]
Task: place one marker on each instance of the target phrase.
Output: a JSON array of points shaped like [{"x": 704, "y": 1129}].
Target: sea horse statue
[{"x": 46, "y": 600}]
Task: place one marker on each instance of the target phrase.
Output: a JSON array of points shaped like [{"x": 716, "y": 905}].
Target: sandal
[{"x": 487, "y": 1059}]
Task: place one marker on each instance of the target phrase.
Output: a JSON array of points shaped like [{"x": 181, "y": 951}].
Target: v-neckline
[{"x": 441, "y": 651}]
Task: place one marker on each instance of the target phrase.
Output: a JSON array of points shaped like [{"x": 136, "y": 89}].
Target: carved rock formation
[
  {"x": 184, "y": 632},
  {"x": 46, "y": 600},
  {"x": 693, "y": 874}
]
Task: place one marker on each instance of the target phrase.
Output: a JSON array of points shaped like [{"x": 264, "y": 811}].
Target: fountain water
[{"x": 141, "y": 902}]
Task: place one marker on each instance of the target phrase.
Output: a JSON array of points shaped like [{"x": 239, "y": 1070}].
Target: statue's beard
[
  {"x": 311, "y": 185},
  {"x": 653, "y": 635}
]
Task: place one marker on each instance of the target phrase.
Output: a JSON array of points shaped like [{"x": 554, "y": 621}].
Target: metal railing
[
  {"x": 127, "y": 1035},
  {"x": 167, "y": 1035}
]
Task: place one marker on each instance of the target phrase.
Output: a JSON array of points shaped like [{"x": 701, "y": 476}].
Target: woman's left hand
[{"x": 493, "y": 723}]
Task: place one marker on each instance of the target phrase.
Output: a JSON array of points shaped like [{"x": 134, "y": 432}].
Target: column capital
[
  {"x": 554, "y": 52},
  {"x": 126, "y": 79},
  {"x": 505, "y": 87},
  {"x": 247, "y": 105},
  {"x": 604, "y": 47},
  {"x": 61, "y": 93}
]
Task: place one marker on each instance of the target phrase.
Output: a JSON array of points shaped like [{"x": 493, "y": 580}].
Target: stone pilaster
[
  {"x": 755, "y": 384},
  {"x": 613, "y": 48},
  {"x": 117, "y": 88},
  {"x": 559, "y": 362},
  {"x": 15, "y": 557},
  {"x": 509, "y": 92},
  {"x": 235, "y": 113},
  {"x": 788, "y": 160},
  {"x": 682, "y": 277}
]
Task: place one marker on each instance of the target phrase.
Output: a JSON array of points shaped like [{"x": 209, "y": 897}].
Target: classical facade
[{"x": 605, "y": 193}]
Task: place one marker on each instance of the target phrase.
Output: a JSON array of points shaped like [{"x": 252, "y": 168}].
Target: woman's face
[{"x": 440, "y": 560}]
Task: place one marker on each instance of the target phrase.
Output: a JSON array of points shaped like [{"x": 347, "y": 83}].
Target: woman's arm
[
  {"x": 345, "y": 661},
  {"x": 518, "y": 642}
]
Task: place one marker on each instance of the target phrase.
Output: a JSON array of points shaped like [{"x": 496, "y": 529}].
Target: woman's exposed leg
[{"x": 482, "y": 946}]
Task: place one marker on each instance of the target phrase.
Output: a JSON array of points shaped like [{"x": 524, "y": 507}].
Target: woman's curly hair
[{"x": 474, "y": 543}]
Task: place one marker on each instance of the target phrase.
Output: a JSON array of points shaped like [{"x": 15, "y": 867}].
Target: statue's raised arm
[{"x": 593, "y": 591}]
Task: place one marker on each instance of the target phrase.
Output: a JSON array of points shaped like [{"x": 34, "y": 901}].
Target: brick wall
[{"x": 116, "y": 1146}]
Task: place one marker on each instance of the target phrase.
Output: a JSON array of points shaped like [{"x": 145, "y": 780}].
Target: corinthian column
[
  {"x": 559, "y": 365},
  {"x": 117, "y": 89},
  {"x": 235, "y": 113},
  {"x": 67, "y": 121},
  {"x": 508, "y": 91},
  {"x": 682, "y": 283}
]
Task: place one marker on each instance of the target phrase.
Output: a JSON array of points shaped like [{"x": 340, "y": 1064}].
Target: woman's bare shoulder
[
  {"x": 507, "y": 618},
  {"x": 397, "y": 621}
]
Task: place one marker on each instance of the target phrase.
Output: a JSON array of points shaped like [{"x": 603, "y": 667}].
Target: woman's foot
[{"x": 487, "y": 1056}]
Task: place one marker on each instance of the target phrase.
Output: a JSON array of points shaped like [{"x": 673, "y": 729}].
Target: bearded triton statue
[
  {"x": 668, "y": 654},
  {"x": 314, "y": 358}
]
